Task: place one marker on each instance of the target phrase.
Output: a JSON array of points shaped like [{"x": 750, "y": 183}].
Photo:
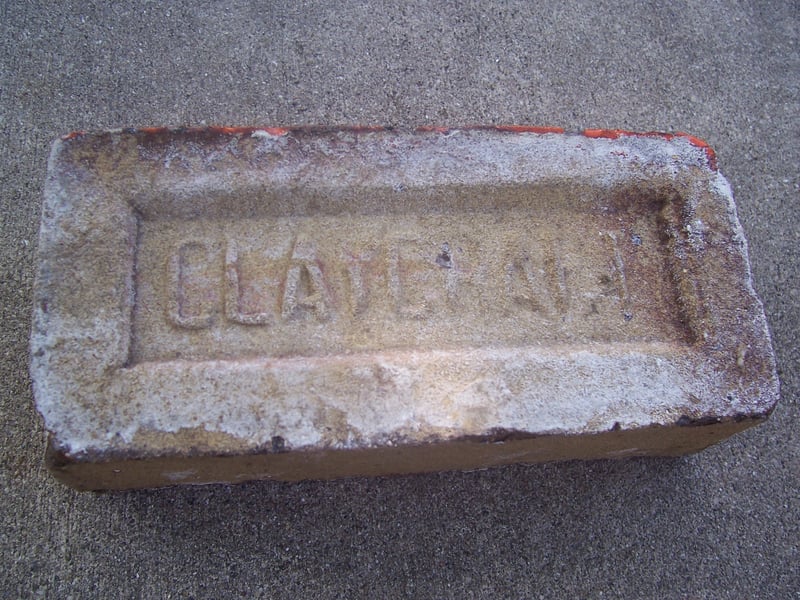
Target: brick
[{"x": 229, "y": 304}]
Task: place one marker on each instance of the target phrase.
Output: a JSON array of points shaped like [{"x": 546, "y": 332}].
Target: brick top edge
[{"x": 611, "y": 134}]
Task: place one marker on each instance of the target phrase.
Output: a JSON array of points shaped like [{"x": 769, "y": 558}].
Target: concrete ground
[{"x": 721, "y": 524}]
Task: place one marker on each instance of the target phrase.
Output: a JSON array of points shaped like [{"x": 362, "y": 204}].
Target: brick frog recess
[{"x": 229, "y": 304}]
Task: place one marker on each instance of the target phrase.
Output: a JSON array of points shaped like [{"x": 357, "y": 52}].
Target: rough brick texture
[{"x": 231, "y": 304}]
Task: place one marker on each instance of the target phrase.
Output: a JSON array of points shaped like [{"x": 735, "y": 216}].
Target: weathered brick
[{"x": 231, "y": 304}]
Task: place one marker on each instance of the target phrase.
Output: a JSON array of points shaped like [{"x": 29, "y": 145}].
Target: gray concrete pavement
[{"x": 721, "y": 524}]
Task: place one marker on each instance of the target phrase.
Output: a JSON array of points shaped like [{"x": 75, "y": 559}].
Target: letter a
[{"x": 305, "y": 289}]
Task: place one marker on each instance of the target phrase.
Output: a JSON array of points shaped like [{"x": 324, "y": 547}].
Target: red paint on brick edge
[
  {"x": 72, "y": 135},
  {"x": 701, "y": 143},
  {"x": 433, "y": 128},
  {"x": 614, "y": 134},
  {"x": 611, "y": 134},
  {"x": 151, "y": 130}
]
